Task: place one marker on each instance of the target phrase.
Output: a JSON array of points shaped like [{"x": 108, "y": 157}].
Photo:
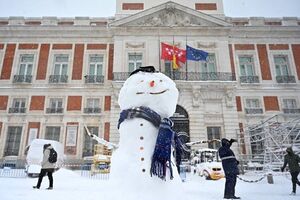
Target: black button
[
  {"x": 142, "y": 159},
  {"x": 141, "y": 124},
  {"x": 141, "y": 137},
  {"x": 143, "y": 170}
]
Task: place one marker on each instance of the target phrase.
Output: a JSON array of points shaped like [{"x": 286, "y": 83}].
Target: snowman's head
[{"x": 153, "y": 90}]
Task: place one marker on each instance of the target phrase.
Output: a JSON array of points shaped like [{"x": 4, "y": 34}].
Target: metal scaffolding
[{"x": 262, "y": 145}]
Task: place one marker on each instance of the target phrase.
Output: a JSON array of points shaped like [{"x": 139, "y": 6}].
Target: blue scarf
[{"x": 161, "y": 158}]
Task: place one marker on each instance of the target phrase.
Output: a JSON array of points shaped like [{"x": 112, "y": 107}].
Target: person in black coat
[
  {"x": 292, "y": 160},
  {"x": 230, "y": 167}
]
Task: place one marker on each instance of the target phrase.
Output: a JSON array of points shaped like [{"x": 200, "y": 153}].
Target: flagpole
[
  {"x": 186, "y": 62},
  {"x": 173, "y": 53},
  {"x": 159, "y": 51},
  {"x": 173, "y": 58}
]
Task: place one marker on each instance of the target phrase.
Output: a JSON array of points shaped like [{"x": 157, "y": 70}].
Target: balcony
[
  {"x": 291, "y": 110},
  {"x": 22, "y": 78},
  {"x": 92, "y": 110},
  {"x": 187, "y": 76},
  {"x": 285, "y": 79},
  {"x": 54, "y": 110},
  {"x": 249, "y": 79},
  {"x": 253, "y": 111},
  {"x": 58, "y": 79},
  {"x": 16, "y": 110},
  {"x": 94, "y": 79}
]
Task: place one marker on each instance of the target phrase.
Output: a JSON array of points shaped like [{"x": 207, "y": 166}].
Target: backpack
[{"x": 52, "y": 156}]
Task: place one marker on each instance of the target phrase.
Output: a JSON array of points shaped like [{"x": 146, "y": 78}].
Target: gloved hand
[
  {"x": 282, "y": 169},
  {"x": 232, "y": 141},
  {"x": 237, "y": 162}
]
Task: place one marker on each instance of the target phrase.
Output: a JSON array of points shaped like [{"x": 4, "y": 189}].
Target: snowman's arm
[
  {"x": 201, "y": 142},
  {"x": 101, "y": 140}
]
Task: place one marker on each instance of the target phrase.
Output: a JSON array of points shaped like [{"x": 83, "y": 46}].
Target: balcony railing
[
  {"x": 54, "y": 110},
  {"x": 291, "y": 110},
  {"x": 92, "y": 110},
  {"x": 58, "y": 79},
  {"x": 285, "y": 79},
  {"x": 22, "y": 78},
  {"x": 252, "y": 111},
  {"x": 249, "y": 79},
  {"x": 94, "y": 79},
  {"x": 188, "y": 76},
  {"x": 17, "y": 110}
]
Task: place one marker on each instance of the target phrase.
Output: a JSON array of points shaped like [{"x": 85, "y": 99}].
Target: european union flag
[{"x": 195, "y": 54}]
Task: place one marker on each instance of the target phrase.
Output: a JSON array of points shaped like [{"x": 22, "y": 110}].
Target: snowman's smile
[{"x": 154, "y": 93}]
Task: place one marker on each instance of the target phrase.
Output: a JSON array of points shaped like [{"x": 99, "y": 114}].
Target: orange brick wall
[
  {"x": 244, "y": 47},
  {"x": 37, "y": 103},
  {"x": 133, "y": 6},
  {"x": 107, "y": 103},
  {"x": 28, "y": 46},
  {"x": 206, "y": 6},
  {"x": 3, "y": 102},
  {"x": 1, "y": 46},
  {"x": 264, "y": 62},
  {"x": 43, "y": 62},
  {"x": 296, "y": 53},
  {"x": 78, "y": 62},
  {"x": 231, "y": 59},
  {"x": 96, "y": 46},
  {"x": 74, "y": 103},
  {"x": 106, "y": 131},
  {"x": 8, "y": 61},
  {"x": 271, "y": 103},
  {"x": 110, "y": 62},
  {"x": 62, "y": 46},
  {"x": 238, "y": 103},
  {"x": 278, "y": 46}
]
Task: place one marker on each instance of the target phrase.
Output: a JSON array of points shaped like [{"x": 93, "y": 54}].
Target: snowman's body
[{"x": 131, "y": 162}]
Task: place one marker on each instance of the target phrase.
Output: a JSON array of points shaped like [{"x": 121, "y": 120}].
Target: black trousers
[
  {"x": 295, "y": 180},
  {"x": 230, "y": 185},
  {"x": 43, "y": 172}
]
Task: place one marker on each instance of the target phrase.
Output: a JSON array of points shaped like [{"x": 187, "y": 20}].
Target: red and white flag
[{"x": 173, "y": 53}]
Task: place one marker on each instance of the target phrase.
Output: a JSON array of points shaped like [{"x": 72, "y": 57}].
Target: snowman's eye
[
  {"x": 142, "y": 81},
  {"x": 160, "y": 80}
]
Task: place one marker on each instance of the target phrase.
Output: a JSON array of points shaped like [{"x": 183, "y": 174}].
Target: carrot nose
[{"x": 151, "y": 83}]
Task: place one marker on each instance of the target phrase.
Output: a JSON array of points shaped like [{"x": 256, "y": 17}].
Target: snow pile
[{"x": 70, "y": 185}]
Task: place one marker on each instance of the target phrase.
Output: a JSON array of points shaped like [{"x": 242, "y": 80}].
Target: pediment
[{"x": 170, "y": 14}]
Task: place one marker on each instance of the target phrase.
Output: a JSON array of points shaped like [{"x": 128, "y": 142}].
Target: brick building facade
[{"x": 58, "y": 74}]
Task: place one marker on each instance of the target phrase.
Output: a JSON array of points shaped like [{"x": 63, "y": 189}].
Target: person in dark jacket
[
  {"x": 47, "y": 168},
  {"x": 293, "y": 160},
  {"x": 230, "y": 167}
]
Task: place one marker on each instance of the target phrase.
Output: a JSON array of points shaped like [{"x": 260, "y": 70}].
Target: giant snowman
[{"x": 143, "y": 166}]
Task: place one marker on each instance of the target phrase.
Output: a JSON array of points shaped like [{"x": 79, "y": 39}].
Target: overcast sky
[{"x": 106, "y": 8}]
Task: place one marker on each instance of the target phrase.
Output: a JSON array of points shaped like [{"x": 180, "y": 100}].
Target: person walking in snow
[
  {"x": 230, "y": 166},
  {"x": 47, "y": 168},
  {"x": 292, "y": 160}
]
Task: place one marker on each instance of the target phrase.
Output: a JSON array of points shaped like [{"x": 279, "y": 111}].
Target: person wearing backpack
[{"x": 48, "y": 165}]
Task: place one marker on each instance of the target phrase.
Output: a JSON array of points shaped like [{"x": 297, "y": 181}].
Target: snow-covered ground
[{"x": 70, "y": 185}]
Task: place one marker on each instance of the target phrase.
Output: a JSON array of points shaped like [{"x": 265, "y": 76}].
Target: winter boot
[
  {"x": 35, "y": 187},
  {"x": 234, "y": 197},
  {"x": 293, "y": 194},
  {"x": 49, "y": 188}
]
